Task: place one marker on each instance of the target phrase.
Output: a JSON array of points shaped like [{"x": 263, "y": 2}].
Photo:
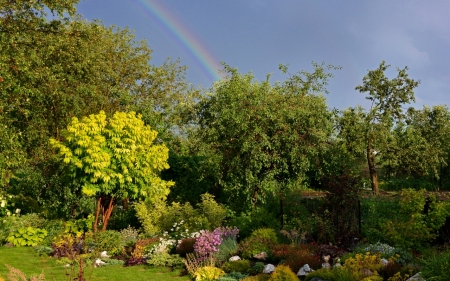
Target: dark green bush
[
  {"x": 436, "y": 266},
  {"x": 242, "y": 266}
]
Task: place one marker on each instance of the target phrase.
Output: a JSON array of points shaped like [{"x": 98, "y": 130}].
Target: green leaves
[
  {"x": 116, "y": 156},
  {"x": 29, "y": 236},
  {"x": 267, "y": 135}
]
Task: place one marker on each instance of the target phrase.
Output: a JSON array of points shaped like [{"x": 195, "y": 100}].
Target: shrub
[
  {"x": 242, "y": 266},
  {"x": 259, "y": 277},
  {"x": 283, "y": 273},
  {"x": 327, "y": 274},
  {"x": 361, "y": 263},
  {"x": 299, "y": 256},
  {"x": 185, "y": 246},
  {"x": 109, "y": 240},
  {"x": 256, "y": 219},
  {"x": 227, "y": 249},
  {"x": 436, "y": 266},
  {"x": 372, "y": 278},
  {"x": 208, "y": 273},
  {"x": 421, "y": 216},
  {"x": 29, "y": 236},
  {"x": 207, "y": 244},
  {"x": 257, "y": 268},
  {"x": 141, "y": 246},
  {"x": 165, "y": 259},
  {"x": 233, "y": 276},
  {"x": 214, "y": 212},
  {"x": 261, "y": 240}
]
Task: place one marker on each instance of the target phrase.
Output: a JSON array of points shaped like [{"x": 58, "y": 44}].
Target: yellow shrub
[{"x": 208, "y": 273}]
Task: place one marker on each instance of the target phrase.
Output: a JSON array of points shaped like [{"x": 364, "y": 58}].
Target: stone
[
  {"x": 384, "y": 262},
  {"x": 304, "y": 270},
  {"x": 269, "y": 268},
  {"x": 98, "y": 263},
  {"x": 261, "y": 256},
  {"x": 416, "y": 277},
  {"x": 104, "y": 254},
  {"x": 234, "y": 258}
]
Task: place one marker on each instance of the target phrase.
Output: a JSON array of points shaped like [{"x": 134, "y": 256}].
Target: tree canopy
[{"x": 114, "y": 158}]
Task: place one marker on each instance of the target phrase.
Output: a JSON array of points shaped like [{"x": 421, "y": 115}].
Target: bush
[
  {"x": 261, "y": 240},
  {"x": 141, "y": 246},
  {"x": 242, "y": 266},
  {"x": 29, "y": 236},
  {"x": 109, "y": 240},
  {"x": 165, "y": 259},
  {"x": 256, "y": 219},
  {"x": 257, "y": 268},
  {"x": 259, "y": 277},
  {"x": 283, "y": 273},
  {"x": 208, "y": 273},
  {"x": 227, "y": 249},
  {"x": 436, "y": 266},
  {"x": 327, "y": 274},
  {"x": 185, "y": 246}
]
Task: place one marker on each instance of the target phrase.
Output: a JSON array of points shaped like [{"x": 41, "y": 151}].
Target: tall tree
[
  {"x": 388, "y": 96},
  {"x": 56, "y": 68},
  {"x": 268, "y": 136},
  {"x": 114, "y": 158}
]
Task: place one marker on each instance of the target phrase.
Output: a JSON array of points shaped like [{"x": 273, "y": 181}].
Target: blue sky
[{"x": 258, "y": 35}]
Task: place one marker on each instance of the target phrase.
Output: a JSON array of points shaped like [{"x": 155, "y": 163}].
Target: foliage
[
  {"x": 142, "y": 245},
  {"x": 283, "y": 273},
  {"x": 29, "y": 236},
  {"x": 129, "y": 235},
  {"x": 115, "y": 158},
  {"x": 435, "y": 266},
  {"x": 255, "y": 219},
  {"x": 17, "y": 275},
  {"x": 330, "y": 250},
  {"x": 369, "y": 132},
  {"x": 135, "y": 261},
  {"x": 363, "y": 262},
  {"x": 208, "y": 273},
  {"x": 233, "y": 276},
  {"x": 257, "y": 268},
  {"x": 418, "y": 226},
  {"x": 208, "y": 243},
  {"x": 185, "y": 246},
  {"x": 372, "y": 278},
  {"x": 295, "y": 256},
  {"x": 227, "y": 249},
  {"x": 341, "y": 208},
  {"x": 10, "y": 224},
  {"x": 327, "y": 274},
  {"x": 266, "y": 233},
  {"x": 259, "y": 277},
  {"x": 193, "y": 262},
  {"x": 267, "y": 136},
  {"x": 180, "y": 220},
  {"x": 109, "y": 240},
  {"x": 165, "y": 259},
  {"x": 242, "y": 266}
]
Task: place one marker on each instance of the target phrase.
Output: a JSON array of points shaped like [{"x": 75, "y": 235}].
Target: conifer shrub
[
  {"x": 242, "y": 266},
  {"x": 283, "y": 273}
]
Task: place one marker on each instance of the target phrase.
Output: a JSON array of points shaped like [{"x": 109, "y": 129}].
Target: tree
[
  {"x": 387, "y": 97},
  {"x": 268, "y": 136},
  {"x": 56, "y": 68},
  {"x": 114, "y": 159}
]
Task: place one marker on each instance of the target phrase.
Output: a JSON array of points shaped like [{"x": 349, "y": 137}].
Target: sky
[{"x": 258, "y": 35}]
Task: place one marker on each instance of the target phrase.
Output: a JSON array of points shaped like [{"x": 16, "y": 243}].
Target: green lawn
[{"x": 26, "y": 260}]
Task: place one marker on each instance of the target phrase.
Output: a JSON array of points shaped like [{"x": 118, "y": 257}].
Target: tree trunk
[
  {"x": 372, "y": 169},
  {"x": 105, "y": 205}
]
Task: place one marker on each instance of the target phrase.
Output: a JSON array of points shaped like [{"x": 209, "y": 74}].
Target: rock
[
  {"x": 416, "y": 277},
  {"x": 98, "y": 263},
  {"x": 384, "y": 261},
  {"x": 104, "y": 254},
  {"x": 304, "y": 270},
  {"x": 234, "y": 258},
  {"x": 269, "y": 268},
  {"x": 326, "y": 265},
  {"x": 261, "y": 256}
]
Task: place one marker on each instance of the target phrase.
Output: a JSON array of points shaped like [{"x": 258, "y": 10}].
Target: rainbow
[{"x": 183, "y": 36}]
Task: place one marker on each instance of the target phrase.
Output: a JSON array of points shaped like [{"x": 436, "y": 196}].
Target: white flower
[
  {"x": 3, "y": 203},
  {"x": 171, "y": 229},
  {"x": 8, "y": 213},
  {"x": 17, "y": 211}
]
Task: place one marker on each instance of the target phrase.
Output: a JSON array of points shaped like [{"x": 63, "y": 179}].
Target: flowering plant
[
  {"x": 209, "y": 242},
  {"x": 5, "y": 205}
]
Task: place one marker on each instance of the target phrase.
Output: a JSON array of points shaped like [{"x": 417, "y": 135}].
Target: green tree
[
  {"x": 374, "y": 127},
  {"x": 114, "y": 159},
  {"x": 56, "y": 68},
  {"x": 268, "y": 136}
]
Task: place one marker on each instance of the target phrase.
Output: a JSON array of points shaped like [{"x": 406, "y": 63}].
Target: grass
[{"x": 29, "y": 262}]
